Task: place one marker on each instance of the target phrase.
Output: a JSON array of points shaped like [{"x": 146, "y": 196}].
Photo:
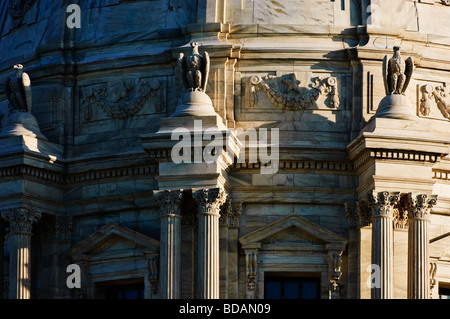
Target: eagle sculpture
[
  {"x": 194, "y": 69},
  {"x": 397, "y": 72},
  {"x": 18, "y": 91}
]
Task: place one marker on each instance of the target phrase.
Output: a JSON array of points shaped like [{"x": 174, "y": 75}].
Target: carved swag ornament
[
  {"x": 300, "y": 100},
  {"x": 439, "y": 93},
  {"x": 120, "y": 100}
]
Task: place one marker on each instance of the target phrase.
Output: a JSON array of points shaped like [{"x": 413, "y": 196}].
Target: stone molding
[
  {"x": 401, "y": 155},
  {"x": 23, "y": 171},
  {"x": 300, "y": 165}
]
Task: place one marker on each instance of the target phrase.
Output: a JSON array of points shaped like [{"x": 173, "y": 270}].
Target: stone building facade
[{"x": 357, "y": 204}]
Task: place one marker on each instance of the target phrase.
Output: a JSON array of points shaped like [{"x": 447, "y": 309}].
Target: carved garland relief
[
  {"x": 285, "y": 92},
  {"x": 439, "y": 94},
  {"x": 121, "y": 100}
]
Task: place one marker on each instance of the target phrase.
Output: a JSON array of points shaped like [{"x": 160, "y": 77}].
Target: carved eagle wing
[
  {"x": 27, "y": 90},
  {"x": 409, "y": 68},
  {"x": 183, "y": 70},
  {"x": 386, "y": 75},
  {"x": 205, "y": 71}
]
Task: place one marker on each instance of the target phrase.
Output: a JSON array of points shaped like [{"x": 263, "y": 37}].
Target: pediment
[
  {"x": 293, "y": 230},
  {"x": 112, "y": 239},
  {"x": 440, "y": 247}
]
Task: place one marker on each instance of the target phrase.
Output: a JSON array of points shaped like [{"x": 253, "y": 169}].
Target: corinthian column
[
  {"x": 20, "y": 223},
  {"x": 170, "y": 243},
  {"x": 419, "y": 208},
  {"x": 382, "y": 204},
  {"x": 209, "y": 202}
]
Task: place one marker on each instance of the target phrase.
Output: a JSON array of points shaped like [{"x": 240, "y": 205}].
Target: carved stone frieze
[
  {"x": 121, "y": 100},
  {"x": 293, "y": 97}
]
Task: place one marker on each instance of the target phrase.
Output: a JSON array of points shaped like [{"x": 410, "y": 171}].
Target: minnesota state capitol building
[{"x": 225, "y": 149}]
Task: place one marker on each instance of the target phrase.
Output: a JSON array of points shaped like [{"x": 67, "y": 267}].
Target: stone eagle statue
[
  {"x": 194, "y": 69},
  {"x": 397, "y": 72},
  {"x": 18, "y": 91}
]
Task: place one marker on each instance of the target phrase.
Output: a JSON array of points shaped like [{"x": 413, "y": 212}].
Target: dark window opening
[
  {"x": 291, "y": 287},
  {"x": 444, "y": 293},
  {"x": 129, "y": 291}
]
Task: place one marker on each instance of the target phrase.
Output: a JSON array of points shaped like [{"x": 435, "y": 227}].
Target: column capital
[
  {"x": 21, "y": 219},
  {"x": 382, "y": 203},
  {"x": 209, "y": 200},
  {"x": 419, "y": 206},
  {"x": 169, "y": 201}
]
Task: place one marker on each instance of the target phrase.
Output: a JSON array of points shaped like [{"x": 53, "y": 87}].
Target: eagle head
[{"x": 19, "y": 69}]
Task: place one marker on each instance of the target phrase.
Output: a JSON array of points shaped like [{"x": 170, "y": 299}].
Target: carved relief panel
[
  {"x": 290, "y": 91},
  {"x": 433, "y": 100},
  {"x": 128, "y": 100}
]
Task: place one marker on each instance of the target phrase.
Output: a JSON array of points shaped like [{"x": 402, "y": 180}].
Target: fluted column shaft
[
  {"x": 418, "y": 238},
  {"x": 209, "y": 202},
  {"x": 170, "y": 244},
  {"x": 20, "y": 222},
  {"x": 382, "y": 205}
]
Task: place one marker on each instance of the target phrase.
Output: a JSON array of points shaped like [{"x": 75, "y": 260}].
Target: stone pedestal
[
  {"x": 209, "y": 202},
  {"x": 396, "y": 106},
  {"x": 418, "y": 239},
  {"x": 194, "y": 103},
  {"x": 170, "y": 241},
  {"x": 382, "y": 204},
  {"x": 20, "y": 222}
]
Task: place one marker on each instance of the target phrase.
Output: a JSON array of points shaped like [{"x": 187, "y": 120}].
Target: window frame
[{"x": 301, "y": 278}]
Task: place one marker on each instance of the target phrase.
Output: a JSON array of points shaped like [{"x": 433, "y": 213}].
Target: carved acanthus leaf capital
[
  {"x": 21, "y": 219},
  {"x": 419, "y": 206},
  {"x": 209, "y": 200},
  {"x": 382, "y": 203},
  {"x": 169, "y": 202}
]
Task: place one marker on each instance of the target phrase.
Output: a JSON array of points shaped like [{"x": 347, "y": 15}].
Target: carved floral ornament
[{"x": 301, "y": 99}]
